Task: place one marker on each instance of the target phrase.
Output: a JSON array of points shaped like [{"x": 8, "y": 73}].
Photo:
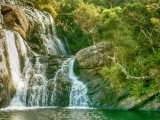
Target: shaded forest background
[{"x": 130, "y": 27}]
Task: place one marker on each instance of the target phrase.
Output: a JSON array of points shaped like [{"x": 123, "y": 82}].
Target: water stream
[
  {"x": 78, "y": 97},
  {"x": 16, "y": 47},
  {"x": 31, "y": 82}
]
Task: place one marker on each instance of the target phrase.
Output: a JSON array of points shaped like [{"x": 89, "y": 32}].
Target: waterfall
[
  {"x": 78, "y": 97},
  {"x": 67, "y": 45},
  {"x": 15, "y": 48},
  {"x": 29, "y": 73},
  {"x": 60, "y": 44},
  {"x": 31, "y": 83},
  {"x": 37, "y": 93},
  {"x": 47, "y": 32}
]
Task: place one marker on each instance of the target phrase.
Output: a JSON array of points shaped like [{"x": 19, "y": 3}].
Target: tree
[{"x": 88, "y": 17}]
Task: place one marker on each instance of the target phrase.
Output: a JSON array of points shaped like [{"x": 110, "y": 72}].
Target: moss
[{"x": 82, "y": 60}]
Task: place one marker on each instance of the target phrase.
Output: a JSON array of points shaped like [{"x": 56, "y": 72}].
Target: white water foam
[
  {"x": 33, "y": 76},
  {"x": 78, "y": 97},
  {"x": 14, "y": 64},
  {"x": 60, "y": 44}
]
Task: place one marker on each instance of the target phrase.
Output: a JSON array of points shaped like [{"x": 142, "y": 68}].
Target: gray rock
[
  {"x": 100, "y": 95},
  {"x": 130, "y": 104},
  {"x": 152, "y": 104},
  {"x": 0, "y": 58},
  {"x": 63, "y": 88},
  {"x": 89, "y": 57},
  {"x": 99, "y": 91}
]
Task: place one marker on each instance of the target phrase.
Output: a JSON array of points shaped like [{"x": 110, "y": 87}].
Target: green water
[{"x": 77, "y": 114}]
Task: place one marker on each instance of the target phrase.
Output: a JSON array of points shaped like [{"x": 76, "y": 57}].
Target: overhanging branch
[{"x": 119, "y": 65}]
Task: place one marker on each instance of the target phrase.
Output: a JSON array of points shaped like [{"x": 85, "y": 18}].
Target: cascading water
[
  {"x": 16, "y": 47},
  {"x": 36, "y": 93},
  {"x": 51, "y": 44},
  {"x": 31, "y": 83},
  {"x": 60, "y": 44},
  {"x": 13, "y": 56},
  {"x": 78, "y": 97},
  {"x": 67, "y": 45}
]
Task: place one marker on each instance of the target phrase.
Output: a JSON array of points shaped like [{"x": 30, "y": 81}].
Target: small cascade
[
  {"x": 69, "y": 52},
  {"x": 13, "y": 56},
  {"x": 16, "y": 47},
  {"x": 47, "y": 33},
  {"x": 36, "y": 92},
  {"x": 62, "y": 73},
  {"x": 60, "y": 44},
  {"x": 78, "y": 97},
  {"x": 77, "y": 93}
]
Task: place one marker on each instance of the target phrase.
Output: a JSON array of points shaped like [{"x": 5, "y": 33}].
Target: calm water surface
[{"x": 76, "y": 114}]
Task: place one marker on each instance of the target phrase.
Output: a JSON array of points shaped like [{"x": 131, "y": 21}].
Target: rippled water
[{"x": 76, "y": 114}]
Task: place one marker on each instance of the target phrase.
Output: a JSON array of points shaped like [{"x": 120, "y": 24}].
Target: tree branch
[{"x": 119, "y": 65}]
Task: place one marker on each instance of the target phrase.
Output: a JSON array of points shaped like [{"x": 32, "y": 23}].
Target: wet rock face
[
  {"x": 63, "y": 88},
  {"x": 1, "y": 88},
  {"x": 58, "y": 86},
  {"x": 89, "y": 57},
  {"x": 15, "y": 19},
  {"x": 99, "y": 91},
  {"x": 100, "y": 95},
  {"x": 62, "y": 85}
]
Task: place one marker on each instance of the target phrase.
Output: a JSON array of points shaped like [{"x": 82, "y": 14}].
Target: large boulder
[
  {"x": 90, "y": 58},
  {"x": 15, "y": 19}
]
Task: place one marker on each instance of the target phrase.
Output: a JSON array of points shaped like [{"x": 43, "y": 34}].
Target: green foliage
[
  {"x": 87, "y": 16},
  {"x": 115, "y": 74},
  {"x": 47, "y": 5}
]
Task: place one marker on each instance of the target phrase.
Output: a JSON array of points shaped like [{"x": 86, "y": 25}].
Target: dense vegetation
[{"x": 131, "y": 27}]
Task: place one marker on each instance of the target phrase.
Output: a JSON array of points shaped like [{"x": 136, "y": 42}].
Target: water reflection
[{"x": 76, "y": 114}]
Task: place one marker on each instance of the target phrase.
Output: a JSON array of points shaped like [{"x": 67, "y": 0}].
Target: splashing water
[
  {"x": 14, "y": 48},
  {"x": 78, "y": 97},
  {"x": 31, "y": 83}
]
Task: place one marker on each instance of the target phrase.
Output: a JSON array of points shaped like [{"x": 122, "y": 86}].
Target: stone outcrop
[
  {"x": 100, "y": 92},
  {"x": 15, "y": 19},
  {"x": 146, "y": 102},
  {"x": 63, "y": 82},
  {"x": 89, "y": 57},
  {"x": 1, "y": 88}
]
